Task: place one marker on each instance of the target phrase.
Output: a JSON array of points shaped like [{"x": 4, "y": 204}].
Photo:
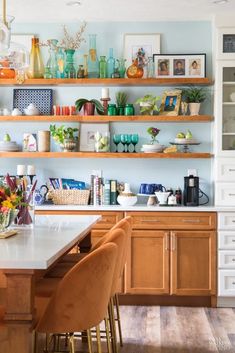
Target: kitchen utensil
[{"x": 162, "y": 197}]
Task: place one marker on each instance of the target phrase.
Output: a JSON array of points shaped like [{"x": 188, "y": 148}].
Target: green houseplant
[
  {"x": 89, "y": 106},
  {"x": 121, "y": 100},
  {"x": 148, "y": 104},
  {"x": 64, "y": 136},
  {"x": 194, "y": 96}
]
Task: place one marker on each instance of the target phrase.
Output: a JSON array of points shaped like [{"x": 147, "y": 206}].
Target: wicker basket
[{"x": 70, "y": 197}]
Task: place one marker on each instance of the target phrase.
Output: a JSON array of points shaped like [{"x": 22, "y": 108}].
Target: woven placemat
[{"x": 7, "y": 234}]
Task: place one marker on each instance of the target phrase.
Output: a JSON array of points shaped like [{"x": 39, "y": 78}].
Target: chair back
[{"x": 81, "y": 299}]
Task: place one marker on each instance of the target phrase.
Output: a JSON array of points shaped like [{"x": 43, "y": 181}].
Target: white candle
[
  {"x": 31, "y": 170},
  {"x": 21, "y": 169},
  {"x": 105, "y": 93}
]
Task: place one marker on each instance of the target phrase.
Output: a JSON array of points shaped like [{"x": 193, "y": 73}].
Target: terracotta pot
[{"x": 89, "y": 108}]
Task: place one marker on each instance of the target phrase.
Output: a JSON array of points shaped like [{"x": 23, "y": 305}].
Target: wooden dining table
[{"x": 21, "y": 257}]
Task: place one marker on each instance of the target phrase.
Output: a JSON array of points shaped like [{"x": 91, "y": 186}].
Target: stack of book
[{"x": 102, "y": 192}]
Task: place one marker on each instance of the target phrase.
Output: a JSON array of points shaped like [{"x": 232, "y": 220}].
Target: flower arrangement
[
  {"x": 153, "y": 132},
  {"x": 70, "y": 42}
]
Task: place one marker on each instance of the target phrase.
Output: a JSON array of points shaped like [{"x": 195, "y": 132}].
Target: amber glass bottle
[
  {"x": 36, "y": 67},
  {"x": 135, "y": 71}
]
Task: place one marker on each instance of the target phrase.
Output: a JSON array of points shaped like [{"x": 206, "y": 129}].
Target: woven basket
[{"x": 70, "y": 197}]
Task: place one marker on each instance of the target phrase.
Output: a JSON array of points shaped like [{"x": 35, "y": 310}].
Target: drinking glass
[
  {"x": 123, "y": 141},
  {"x": 116, "y": 140},
  {"x": 134, "y": 140},
  {"x": 128, "y": 142}
]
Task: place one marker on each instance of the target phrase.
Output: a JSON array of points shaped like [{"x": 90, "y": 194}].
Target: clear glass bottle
[
  {"x": 150, "y": 68},
  {"x": 60, "y": 63},
  {"x": 110, "y": 64},
  {"x": 103, "y": 67},
  {"x": 36, "y": 67},
  {"x": 93, "y": 63},
  {"x": 52, "y": 62},
  {"x": 85, "y": 65}
]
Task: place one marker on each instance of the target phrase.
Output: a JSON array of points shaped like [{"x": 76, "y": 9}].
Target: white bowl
[{"x": 126, "y": 200}]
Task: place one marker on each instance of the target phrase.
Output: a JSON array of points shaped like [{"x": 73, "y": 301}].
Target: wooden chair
[{"x": 81, "y": 298}]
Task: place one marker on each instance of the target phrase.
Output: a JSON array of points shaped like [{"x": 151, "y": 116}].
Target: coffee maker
[{"x": 191, "y": 191}]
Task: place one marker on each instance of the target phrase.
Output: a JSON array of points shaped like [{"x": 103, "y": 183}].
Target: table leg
[
  {"x": 85, "y": 244},
  {"x": 19, "y": 295}
]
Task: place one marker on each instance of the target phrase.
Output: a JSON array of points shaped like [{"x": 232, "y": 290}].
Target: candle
[
  {"x": 31, "y": 170},
  {"x": 105, "y": 93},
  {"x": 21, "y": 169}
]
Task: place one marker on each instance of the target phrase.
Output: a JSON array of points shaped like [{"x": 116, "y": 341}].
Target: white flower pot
[{"x": 194, "y": 108}]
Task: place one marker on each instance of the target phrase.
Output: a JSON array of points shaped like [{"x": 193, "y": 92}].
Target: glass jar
[
  {"x": 110, "y": 64},
  {"x": 102, "y": 142},
  {"x": 36, "y": 67},
  {"x": 80, "y": 73},
  {"x": 150, "y": 68},
  {"x": 103, "y": 67},
  {"x": 93, "y": 63},
  {"x": 70, "y": 71},
  {"x": 129, "y": 109},
  {"x": 112, "y": 109}
]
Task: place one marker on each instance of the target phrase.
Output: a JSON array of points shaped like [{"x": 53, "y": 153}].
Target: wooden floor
[{"x": 154, "y": 329}]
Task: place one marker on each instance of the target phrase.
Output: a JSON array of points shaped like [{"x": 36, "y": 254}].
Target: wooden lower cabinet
[
  {"x": 193, "y": 263},
  {"x": 148, "y": 263}
]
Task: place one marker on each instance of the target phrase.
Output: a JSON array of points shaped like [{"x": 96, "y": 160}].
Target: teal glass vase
[
  {"x": 110, "y": 64},
  {"x": 93, "y": 63},
  {"x": 103, "y": 67},
  {"x": 70, "y": 71}
]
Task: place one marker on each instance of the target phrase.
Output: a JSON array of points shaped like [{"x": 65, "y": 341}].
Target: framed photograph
[
  {"x": 87, "y": 135},
  {"x": 180, "y": 65},
  {"x": 140, "y": 46},
  {"x": 170, "y": 103},
  {"x": 226, "y": 43}
]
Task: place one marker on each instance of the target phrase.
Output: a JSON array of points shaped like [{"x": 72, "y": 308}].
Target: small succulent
[
  {"x": 121, "y": 99},
  {"x": 153, "y": 132}
]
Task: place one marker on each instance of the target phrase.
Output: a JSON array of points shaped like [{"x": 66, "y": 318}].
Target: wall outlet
[{"x": 192, "y": 172}]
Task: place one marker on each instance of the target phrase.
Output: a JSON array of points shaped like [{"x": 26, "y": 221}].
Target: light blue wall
[{"x": 176, "y": 37}]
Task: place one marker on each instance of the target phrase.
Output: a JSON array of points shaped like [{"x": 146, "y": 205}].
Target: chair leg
[
  {"x": 107, "y": 334},
  {"x": 35, "y": 342},
  {"x": 118, "y": 319},
  {"x": 89, "y": 339},
  {"x": 98, "y": 338},
  {"x": 71, "y": 343},
  {"x": 112, "y": 326}
]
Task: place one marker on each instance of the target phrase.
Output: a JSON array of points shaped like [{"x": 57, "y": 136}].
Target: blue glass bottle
[{"x": 110, "y": 64}]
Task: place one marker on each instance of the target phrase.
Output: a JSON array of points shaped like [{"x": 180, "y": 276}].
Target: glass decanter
[
  {"x": 110, "y": 64},
  {"x": 93, "y": 63}
]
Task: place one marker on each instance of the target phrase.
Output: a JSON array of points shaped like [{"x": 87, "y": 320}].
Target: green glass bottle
[
  {"x": 103, "y": 67},
  {"x": 110, "y": 64}
]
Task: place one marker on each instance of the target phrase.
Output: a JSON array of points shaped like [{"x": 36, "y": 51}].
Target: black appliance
[{"x": 191, "y": 191}]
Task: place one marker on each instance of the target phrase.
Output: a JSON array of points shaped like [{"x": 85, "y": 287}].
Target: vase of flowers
[
  {"x": 154, "y": 145},
  {"x": 153, "y": 132}
]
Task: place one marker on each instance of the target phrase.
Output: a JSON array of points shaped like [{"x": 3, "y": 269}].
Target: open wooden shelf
[
  {"x": 106, "y": 118},
  {"x": 102, "y": 155},
  {"x": 108, "y": 82}
]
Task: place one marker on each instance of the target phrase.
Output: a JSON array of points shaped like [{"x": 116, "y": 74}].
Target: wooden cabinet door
[
  {"x": 147, "y": 270},
  {"x": 193, "y": 263}
]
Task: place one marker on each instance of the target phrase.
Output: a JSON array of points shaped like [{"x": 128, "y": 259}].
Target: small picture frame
[
  {"x": 170, "y": 103},
  {"x": 87, "y": 135},
  {"x": 180, "y": 65},
  {"x": 29, "y": 142}
]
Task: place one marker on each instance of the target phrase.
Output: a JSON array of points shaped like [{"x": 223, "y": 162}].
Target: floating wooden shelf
[
  {"x": 105, "y": 118},
  {"x": 101, "y": 155},
  {"x": 108, "y": 82}
]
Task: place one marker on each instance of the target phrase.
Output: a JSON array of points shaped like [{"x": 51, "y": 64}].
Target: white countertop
[
  {"x": 40, "y": 246},
  {"x": 137, "y": 208}
]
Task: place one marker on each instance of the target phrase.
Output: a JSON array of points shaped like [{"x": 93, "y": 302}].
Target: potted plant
[
  {"x": 148, "y": 104},
  {"x": 64, "y": 137},
  {"x": 89, "y": 106},
  {"x": 194, "y": 96},
  {"x": 121, "y": 100}
]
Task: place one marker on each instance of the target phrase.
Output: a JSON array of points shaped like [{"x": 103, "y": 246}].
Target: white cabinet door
[
  {"x": 226, "y": 240},
  {"x": 226, "y": 220},
  {"x": 225, "y": 194},
  {"x": 226, "y": 283},
  {"x": 226, "y": 259},
  {"x": 225, "y": 169}
]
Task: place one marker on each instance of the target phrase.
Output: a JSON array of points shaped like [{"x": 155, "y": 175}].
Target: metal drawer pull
[
  {"x": 233, "y": 221},
  {"x": 231, "y": 170},
  {"x": 231, "y": 194},
  {"x": 233, "y": 260},
  {"x": 233, "y": 241},
  {"x": 233, "y": 283},
  {"x": 191, "y": 220},
  {"x": 150, "y": 221}
]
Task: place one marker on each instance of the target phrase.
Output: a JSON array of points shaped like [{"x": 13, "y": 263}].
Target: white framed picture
[
  {"x": 140, "y": 46},
  {"x": 87, "y": 135}
]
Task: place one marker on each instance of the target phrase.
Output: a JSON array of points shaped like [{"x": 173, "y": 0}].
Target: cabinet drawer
[
  {"x": 225, "y": 169},
  {"x": 225, "y": 194},
  {"x": 226, "y": 259},
  {"x": 173, "y": 220},
  {"x": 226, "y": 283},
  {"x": 226, "y": 240},
  {"x": 226, "y": 220}
]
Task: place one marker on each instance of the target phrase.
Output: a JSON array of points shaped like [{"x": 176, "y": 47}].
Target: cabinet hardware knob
[
  {"x": 233, "y": 241},
  {"x": 231, "y": 170},
  {"x": 231, "y": 194},
  {"x": 233, "y": 221},
  {"x": 233, "y": 260},
  {"x": 233, "y": 283},
  {"x": 191, "y": 220}
]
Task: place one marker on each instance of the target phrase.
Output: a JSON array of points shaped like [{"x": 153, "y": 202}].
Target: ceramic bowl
[{"x": 126, "y": 200}]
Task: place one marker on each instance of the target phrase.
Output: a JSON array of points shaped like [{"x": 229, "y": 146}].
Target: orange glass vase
[{"x": 135, "y": 71}]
